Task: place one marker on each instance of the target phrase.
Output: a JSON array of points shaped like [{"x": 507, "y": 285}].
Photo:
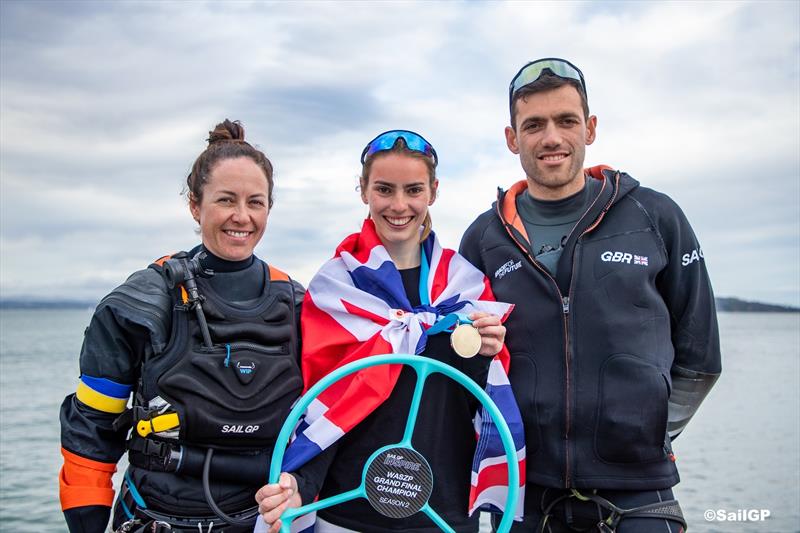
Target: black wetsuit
[{"x": 134, "y": 325}]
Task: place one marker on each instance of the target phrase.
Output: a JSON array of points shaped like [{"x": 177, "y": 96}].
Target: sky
[{"x": 105, "y": 105}]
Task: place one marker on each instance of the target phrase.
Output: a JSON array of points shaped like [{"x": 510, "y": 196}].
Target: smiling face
[
  {"x": 398, "y": 192},
  {"x": 233, "y": 210},
  {"x": 550, "y": 138}
]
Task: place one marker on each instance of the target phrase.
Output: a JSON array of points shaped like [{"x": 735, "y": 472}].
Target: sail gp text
[
  {"x": 737, "y": 515},
  {"x": 691, "y": 257},
  {"x": 239, "y": 429}
]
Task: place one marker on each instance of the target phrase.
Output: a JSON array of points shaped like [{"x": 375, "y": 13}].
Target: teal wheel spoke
[
  {"x": 438, "y": 520},
  {"x": 422, "y": 376}
]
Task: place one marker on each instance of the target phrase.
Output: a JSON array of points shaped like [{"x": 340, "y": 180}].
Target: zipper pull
[{"x": 565, "y": 304}]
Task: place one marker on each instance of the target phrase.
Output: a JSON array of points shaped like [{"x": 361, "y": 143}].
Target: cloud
[{"x": 105, "y": 106}]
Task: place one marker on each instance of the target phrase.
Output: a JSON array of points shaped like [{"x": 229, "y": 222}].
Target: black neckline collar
[{"x": 217, "y": 264}]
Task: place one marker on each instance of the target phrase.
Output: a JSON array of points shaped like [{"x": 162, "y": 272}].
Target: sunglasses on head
[
  {"x": 388, "y": 139},
  {"x": 534, "y": 70}
]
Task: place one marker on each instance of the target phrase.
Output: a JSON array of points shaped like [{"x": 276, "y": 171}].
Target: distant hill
[
  {"x": 737, "y": 305},
  {"x": 723, "y": 304},
  {"x": 46, "y": 304}
]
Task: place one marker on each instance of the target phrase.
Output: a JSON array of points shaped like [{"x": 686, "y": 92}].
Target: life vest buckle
[{"x": 154, "y": 455}]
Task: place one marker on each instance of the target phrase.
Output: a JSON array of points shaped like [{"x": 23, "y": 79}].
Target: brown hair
[
  {"x": 546, "y": 82},
  {"x": 401, "y": 148},
  {"x": 226, "y": 141}
]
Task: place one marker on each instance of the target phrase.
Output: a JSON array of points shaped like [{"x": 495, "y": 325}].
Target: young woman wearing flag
[{"x": 384, "y": 291}]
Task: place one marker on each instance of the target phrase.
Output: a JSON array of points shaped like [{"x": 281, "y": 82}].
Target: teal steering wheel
[{"x": 405, "y": 484}]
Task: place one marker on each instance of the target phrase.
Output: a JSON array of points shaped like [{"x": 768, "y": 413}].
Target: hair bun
[{"x": 227, "y": 131}]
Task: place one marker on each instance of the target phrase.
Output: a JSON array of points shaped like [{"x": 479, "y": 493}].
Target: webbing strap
[
  {"x": 192, "y": 523},
  {"x": 134, "y": 493},
  {"x": 667, "y": 510}
]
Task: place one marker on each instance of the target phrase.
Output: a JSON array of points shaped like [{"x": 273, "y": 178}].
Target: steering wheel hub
[{"x": 398, "y": 482}]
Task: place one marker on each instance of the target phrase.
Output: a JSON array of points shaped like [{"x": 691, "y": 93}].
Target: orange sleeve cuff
[{"x": 85, "y": 482}]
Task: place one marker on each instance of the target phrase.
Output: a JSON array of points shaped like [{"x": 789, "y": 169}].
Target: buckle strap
[
  {"x": 149, "y": 447},
  {"x": 153, "y": 454}
]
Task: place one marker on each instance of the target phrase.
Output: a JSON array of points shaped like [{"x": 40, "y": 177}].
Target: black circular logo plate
[{"x": 399, "y": 482}]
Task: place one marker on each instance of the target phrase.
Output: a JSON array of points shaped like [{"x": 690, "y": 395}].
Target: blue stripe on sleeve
[{"x": 107, "y": 387}]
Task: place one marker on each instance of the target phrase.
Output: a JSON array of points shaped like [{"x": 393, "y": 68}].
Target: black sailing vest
[{"x": 236, "y": 394}]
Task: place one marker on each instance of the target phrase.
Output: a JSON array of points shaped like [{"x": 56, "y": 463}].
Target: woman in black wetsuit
[
  {"x": 206, "y": 343},
  {"x": 393, "y": 267}
]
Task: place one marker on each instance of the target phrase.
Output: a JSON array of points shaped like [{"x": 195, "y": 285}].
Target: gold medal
[{"x": 465, "y": 340}]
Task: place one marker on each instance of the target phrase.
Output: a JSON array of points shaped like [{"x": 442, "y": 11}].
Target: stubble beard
[{"x": 555, "y": 181}]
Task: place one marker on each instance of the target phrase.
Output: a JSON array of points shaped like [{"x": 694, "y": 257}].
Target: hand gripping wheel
[{"x": 397, "y": 480}]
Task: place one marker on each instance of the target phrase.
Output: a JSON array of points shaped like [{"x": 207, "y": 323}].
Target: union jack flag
[
  {"x": 640, "y": 260},
  {"x": 350, "y": 312}
]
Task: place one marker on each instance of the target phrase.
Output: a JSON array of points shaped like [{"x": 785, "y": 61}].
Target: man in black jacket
[{"x": 614, "y": 339}]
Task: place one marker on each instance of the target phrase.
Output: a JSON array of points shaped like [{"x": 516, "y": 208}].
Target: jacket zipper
[
  {"x": 565, "y": 308},
  {"x": 244, "y": 345},
  {"x": 567, "y": 473},
  {"x": 564, "y": 316}
]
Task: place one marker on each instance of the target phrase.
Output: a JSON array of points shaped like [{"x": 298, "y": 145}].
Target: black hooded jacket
[{"x": 595, "y": 349}]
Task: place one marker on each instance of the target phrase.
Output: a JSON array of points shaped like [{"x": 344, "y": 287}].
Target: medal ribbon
[{"x": 443, "y": 323}]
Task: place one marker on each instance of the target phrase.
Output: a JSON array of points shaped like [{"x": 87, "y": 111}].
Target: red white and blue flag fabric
[{"x": 355, "y": 307}]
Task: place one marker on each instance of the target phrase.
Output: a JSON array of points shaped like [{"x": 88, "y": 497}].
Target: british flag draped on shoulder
[{"x": 356, "y": 307}]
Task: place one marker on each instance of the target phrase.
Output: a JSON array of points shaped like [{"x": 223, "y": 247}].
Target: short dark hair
[
  {"x": 226, "y": 141},
  {"x": 547, "y": 82}
]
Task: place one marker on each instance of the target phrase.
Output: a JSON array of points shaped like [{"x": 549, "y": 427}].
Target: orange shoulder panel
[
  {"x": 509, "y": 207},
  {"x": 596, "y": 171},
  {"x": 160, "y": 260},
  {"x": 277, "y": 275},
  {"x": 85, "y": 482}
]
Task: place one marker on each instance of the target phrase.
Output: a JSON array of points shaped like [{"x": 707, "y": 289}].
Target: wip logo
[
  {"x": 624, "y": 257},
  {"x": 507, "y": 268},
  {"x": 245, "y": 368},
  {"x": 691, "y": 257}
]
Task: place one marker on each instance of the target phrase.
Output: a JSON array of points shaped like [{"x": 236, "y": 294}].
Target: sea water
[{"x": 738, "y": 458}]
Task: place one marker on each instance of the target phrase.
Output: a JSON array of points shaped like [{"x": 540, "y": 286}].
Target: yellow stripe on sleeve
[{"x": 99, "y": 401}]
